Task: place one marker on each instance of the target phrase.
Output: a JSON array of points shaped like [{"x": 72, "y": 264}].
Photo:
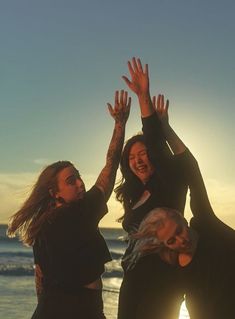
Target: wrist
[
  {"x": 144, "y": 97},
  {"x": 120, "y": 125},
  {"x": 146, "y": 106},
  {"x": 167, "y": 129}
]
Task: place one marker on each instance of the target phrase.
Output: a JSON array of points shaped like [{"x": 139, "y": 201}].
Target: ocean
[{"x": 17, "y": 290}]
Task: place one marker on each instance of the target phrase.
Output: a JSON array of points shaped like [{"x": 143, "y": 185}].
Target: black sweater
[{"x": 70, "y": 249}]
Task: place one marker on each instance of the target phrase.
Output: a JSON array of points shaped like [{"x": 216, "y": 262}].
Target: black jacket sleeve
[{"x": 155, "y": 141}]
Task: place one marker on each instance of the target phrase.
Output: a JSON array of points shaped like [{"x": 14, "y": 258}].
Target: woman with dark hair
[
  {"x": 151, "y": 177},
  {"x": 60, "y": 220}
]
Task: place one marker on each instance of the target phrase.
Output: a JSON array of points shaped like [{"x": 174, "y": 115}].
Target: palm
[
  {"x": 161, "y": 108},
  {"x": 120, "y": 111},
  {"x": 139, "y": 82}
]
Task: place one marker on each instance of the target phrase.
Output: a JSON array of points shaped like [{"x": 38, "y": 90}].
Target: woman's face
[
  {"x": 70, "y": 185},
  {"x": 139, "y": 162},
  {"x": 175, "y": 235}
]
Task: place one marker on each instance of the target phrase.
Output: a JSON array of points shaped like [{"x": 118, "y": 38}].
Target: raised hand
[
  {"x": 139, "y": 82},
  {"x": 161, "y": 108},
  {"x": 176, "y": 144},
  {"x": 121, "y": 110},
  {"x": 120, "y": 113}
]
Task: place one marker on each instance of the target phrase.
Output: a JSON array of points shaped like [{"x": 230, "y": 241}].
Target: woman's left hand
[
  {"x": 121, "y": 110},
  {"x": 161, "y": 108}
]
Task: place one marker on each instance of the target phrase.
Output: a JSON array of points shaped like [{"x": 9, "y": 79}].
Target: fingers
[
  {"x": 167, "y": 105},
  {"x": 121, "y": 110},
  {"x": 128, "y": 82},
  {"x": 130, "y": 68},
  {"x": 110, "y": 108},
  {"x": 128, "y": 106},
  {"x": 162, "y": 107},
  {"x": 146, "y": 70},
  {"x": 154, "y": 101},
  {"x": 120, "y": 99},
  {"x": 116, "y": 98},
  {"x": 135, "y": 66},
  {"x": 159, "y": 102},
  {"x": 139, "y": 65},
  {"x": 125, "y": 98}
]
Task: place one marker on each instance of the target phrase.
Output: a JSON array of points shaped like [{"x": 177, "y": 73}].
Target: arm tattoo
[{"x": 107, "y": 176}]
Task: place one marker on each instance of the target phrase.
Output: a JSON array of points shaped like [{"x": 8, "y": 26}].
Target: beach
[{"x": 17, "y": 289}]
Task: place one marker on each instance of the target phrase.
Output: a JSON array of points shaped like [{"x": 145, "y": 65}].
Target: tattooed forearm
[{"x": 107, "y": 176}]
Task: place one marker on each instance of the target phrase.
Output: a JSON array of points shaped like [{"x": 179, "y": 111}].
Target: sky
[{"x": 61, "y": 62}]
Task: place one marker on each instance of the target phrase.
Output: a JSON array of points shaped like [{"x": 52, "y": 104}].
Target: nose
[
  {"x": 79, "y": 182},
  {"x": 139, "y": 159}
]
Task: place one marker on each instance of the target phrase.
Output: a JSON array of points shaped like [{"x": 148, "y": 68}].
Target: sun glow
[{"x": 183, "y": 312}]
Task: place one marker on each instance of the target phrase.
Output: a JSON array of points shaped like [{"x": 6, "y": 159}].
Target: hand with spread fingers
[
  {"x": 161, "y": 108},
  {"x": 139, "y": 82},
  {"x": 121, "y": 110},
  {"x": 120, "y": 113}
]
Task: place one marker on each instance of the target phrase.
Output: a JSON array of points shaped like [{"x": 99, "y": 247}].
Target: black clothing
[
  {"x": 209, "y": 279},
  {"x": 85, "y": 304},
  {"x": 151, "y": 289},
  {"x": 71, "y": 253}
]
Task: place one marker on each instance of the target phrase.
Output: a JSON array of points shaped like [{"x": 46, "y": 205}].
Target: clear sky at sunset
[{"x": 62, "y": 60}]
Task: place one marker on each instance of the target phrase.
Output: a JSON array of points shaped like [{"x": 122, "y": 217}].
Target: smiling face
[
  {"x": 175, "y": 234},
  {"x": 139, "y": 162},
  {"x": 70, "y": 186}
]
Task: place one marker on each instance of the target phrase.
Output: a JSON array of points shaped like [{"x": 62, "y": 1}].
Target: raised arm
[
  {"x": 175, "y": 143},
  {"x": 120, "y": 113},
  {"x": 139, "y": 84}
]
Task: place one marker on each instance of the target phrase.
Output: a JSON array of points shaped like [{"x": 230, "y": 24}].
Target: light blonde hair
[{"x": 146, "y": 236}]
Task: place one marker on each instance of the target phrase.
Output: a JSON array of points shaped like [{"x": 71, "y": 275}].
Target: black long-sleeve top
[
  {"x": 209, "y": 279},
  {"x": 167, "y": 185},
  {"x": 70, "y": 249}
]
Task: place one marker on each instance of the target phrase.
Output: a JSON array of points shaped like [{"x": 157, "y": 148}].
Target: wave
[
  {"x": 17, "y": 260},
  {"x": 116, "y": 255},
  {"x": 16, "y": 270},
  {"x": 10, "y": 240},
  {"x": 19, "y": 254},
  {"x": 118, "y": 242},
  {"x": 15, "y": 254},
  {"x": 28, "y": 270}
]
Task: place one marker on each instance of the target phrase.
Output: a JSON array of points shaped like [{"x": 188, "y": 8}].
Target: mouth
[{"x": 141, "y": 168}]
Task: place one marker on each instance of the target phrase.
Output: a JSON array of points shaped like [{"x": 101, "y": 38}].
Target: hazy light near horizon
[{"x": 14, "y": 189}]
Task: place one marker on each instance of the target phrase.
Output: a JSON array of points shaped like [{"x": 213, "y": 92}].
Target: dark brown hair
[{"x": 130, "y": 186}]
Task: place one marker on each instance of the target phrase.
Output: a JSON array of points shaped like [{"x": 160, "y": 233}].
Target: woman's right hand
[
  {"x": 139, "y": 82},
  {"x": 121, "y": 110}
]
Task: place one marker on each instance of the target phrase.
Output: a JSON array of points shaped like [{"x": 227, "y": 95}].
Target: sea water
[{"x": 17, "y": 289}]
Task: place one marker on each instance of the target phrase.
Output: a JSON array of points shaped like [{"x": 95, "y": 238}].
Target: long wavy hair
[
  {"x": 130, "y": 187},
  {"x": 146, "y": 240},
  {"x": 27, "y": 222}
]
